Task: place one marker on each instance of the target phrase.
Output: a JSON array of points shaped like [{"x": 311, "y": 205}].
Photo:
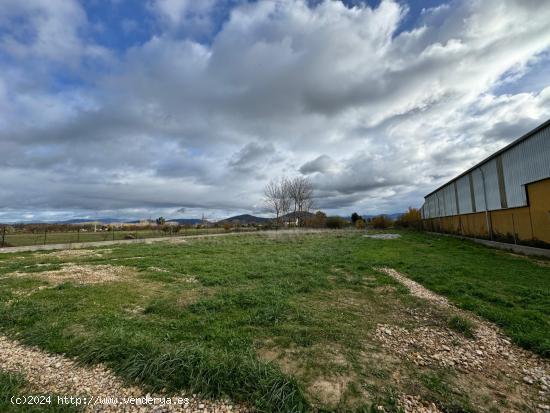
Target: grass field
[
  {"x": 283, "y": 322},
  {"x": 21, "y": 239}
]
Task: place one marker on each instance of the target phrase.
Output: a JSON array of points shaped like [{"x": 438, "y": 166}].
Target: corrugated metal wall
[
  {"x": 464, "y": 195},
  {"x": 526, "y": 162}
]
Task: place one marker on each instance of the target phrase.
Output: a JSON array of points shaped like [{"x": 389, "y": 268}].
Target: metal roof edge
[{"x": 494, "y": 155}]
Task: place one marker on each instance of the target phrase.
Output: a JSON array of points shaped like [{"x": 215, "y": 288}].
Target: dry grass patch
[
  {"x": 81, "y": 274},
  {"x": 84, "y": 253}
]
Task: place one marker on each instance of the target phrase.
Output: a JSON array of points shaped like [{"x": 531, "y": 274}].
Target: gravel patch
[
  {"x": 383, "y": 236},
  {"x": 415, "y": 288},
  {"x": 47, "y": 373},
  {"x": 490, "y": 354},
  {"x": 414, "y": 404}
]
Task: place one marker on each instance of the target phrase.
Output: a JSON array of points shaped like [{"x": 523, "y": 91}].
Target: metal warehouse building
[{"x": 505, "y": 197}]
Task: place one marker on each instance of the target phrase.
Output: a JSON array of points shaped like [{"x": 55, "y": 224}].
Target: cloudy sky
[{"x": 132, "y": 108}]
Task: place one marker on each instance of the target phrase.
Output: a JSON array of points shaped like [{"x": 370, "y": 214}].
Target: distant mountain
[{"x": 245, "y": 219}]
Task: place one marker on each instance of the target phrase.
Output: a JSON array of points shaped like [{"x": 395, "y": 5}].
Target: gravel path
[
  {"x": 47, "y": 373},
  {"x": 490, "y": 355}
]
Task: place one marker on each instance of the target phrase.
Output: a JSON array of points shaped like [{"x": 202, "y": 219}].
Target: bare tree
[
  {"x": 284, "y": 196},
  {"x": 276, "y": 198},
  {"x": 300, "y": 190}
]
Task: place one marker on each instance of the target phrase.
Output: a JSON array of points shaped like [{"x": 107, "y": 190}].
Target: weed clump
[{"x": 462, "y": 325}]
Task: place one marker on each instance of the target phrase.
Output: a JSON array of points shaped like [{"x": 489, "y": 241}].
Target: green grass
[
  {"x": 265, "y": 319},
  {"x": 14, "y": 386},
  {"x": 512, "y": 291}
]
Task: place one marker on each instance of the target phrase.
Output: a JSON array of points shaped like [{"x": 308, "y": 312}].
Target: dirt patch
[
  {"x": 63, "y": 254},
  {"x": 323, "y": 390},
  {"x": 81, "y": 274},
  {"x": 329, "y": 390},
  {"x": 385, "y": 289},
  {"x": 49, "y": 373},
  {"x": 286, "y": 359},
  {"x": 513, "y": 374}
]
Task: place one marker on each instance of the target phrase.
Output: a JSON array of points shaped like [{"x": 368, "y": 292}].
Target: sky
[{"x": 137, "y": 109}]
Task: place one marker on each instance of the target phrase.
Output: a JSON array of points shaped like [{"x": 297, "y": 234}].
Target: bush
[
  {"x": 227, "y": 226},
  {"x": 360, "y": 224},
  {"x": 381, "y": 222},
  {"x": 336, "y": 222},
  {"x": 410, "y": 219}
]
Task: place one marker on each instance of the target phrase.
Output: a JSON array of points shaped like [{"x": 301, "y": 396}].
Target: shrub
[
  {"x": 410, "y": 219},
  {"x": 336, "y": 222},
  {"x": 360, "y": 224},
  {"x": 381, "y": 222},
  {"x": 227, "y": 226},
  {"x": 318, "y": 220}
]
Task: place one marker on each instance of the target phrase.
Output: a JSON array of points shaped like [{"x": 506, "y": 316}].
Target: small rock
[{"x": 528, "y": 380}]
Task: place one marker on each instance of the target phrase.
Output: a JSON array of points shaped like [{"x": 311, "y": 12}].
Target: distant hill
[{"x": 245, "y": 219}]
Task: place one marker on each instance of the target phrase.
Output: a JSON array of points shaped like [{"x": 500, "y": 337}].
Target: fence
[{"x": 10, "y": 237}]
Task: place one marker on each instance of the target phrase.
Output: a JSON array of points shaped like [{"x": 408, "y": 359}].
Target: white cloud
[
  {"x": 44, "y": 29},
  {"x": 379, "y": 116}
]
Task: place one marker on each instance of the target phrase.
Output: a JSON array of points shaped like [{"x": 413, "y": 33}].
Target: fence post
[
  {"x": 3, "y": 236},
  {"x": 113, "y": 233},
  {"x": 78, "y": 235},
  {"x": 45, "y": 232}
]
